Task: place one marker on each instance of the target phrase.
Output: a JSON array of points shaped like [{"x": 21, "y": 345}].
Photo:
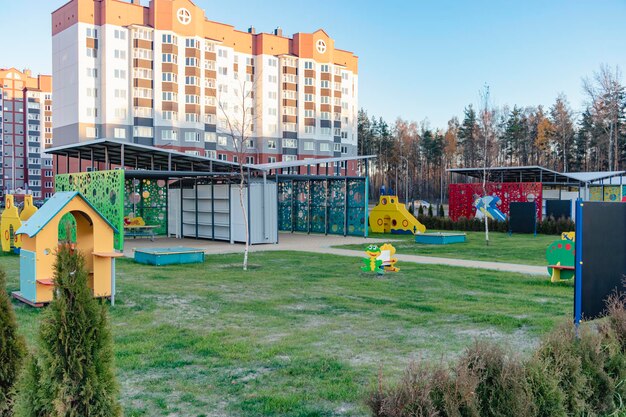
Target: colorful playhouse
[
  {"x": 40, "y": 239},
  {"x": 390, "y": 216}
]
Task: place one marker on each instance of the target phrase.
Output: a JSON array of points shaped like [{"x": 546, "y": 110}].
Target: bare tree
[
  {"x": 238, "y": 126},
  {"x": 606, "y": 95},
  {"x": 487, "y": 115}
]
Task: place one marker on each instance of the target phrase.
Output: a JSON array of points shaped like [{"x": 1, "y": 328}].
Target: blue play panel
[
  {"x": 169, "y": 256},
  {"x": 440, "y": 238}
]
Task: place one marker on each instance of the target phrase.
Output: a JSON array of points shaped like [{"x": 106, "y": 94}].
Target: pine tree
[
  {"x": 468, "y": 136},
  {"x": 72, "y": 374},
  {"x": 12, "y": 351},
  {"x": 440, "y": 212},
  {"x": 430, "y": 210}
]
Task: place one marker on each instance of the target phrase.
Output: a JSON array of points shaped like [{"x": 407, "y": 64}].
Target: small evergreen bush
[
  {"x": 12, "y": 350},
  {"x": 72, "y": 373}
]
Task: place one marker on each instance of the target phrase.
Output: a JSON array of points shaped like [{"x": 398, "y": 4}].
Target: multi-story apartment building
[
  {"x": 26, "y": 133},
  {"x": 162, "y": 74}
]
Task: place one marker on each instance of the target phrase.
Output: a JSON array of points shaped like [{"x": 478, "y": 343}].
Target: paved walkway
[{"x": 322, "y": 244}]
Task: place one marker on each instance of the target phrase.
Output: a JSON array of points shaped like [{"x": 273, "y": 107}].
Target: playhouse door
[{"x": 387, "y": 224}]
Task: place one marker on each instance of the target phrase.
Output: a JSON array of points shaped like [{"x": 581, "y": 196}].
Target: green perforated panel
[{"x": 104, "y": 190}]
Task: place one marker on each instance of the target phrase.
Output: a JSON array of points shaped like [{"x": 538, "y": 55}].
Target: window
[
  {"x": 309, "y": 129},
  {"x": 289, "y": 78},
  {"x": 120, "y": 113},
  {"x": 92, "y": 52},
  {"x": 289, "y": 158},
  {"x": 192, "y": 43},
  {"x": 92, "y": 72},
  {"x": 271, "y": 159},
  {"x": 169, "y": 38},
  {"x": 170, "y": 96},
  {"x": 325, "y": 68},
  {"x": 195, "y": 153},
  {"x": 168, "y": 134},
  {"x": 289, "y": 127},
  {"x": 235, "y": 158},
  {"x": 290, "y": 143},
  {"x": 344, "y": 75},
  {"x": 142, "y": 92},
  {"x": 222, "y": 140},
  {"x": 325, "y": 84},
  {"x": 325, "y": 131},
  {"x": 192, "y": 99},
  {"x": 169, "y": 58},
  {"x": 192, "y": 117},
  {"x": 325, "y": 100},
  {"x": 191, "y": 61},
  {"x": 91, "y": 132},
  {"x": 210, "y": 137},
  {"x": 272, "y": 95},
  {"x": 308, "y": 145},
  {"x": 272, "y": 78},
  {"x": 222, "y": 157},
  {"x": 118, "y": 73},
  {"x": 119, "y": 93},
  {"x": 192, "y": 137},
  {"x": 210, "y": 65},
  {"x": 272, "y": 111},
  {"x": 92, "y": 33},
  {"x": 337, "y": 131},
  {"x": 209, "y": 47},
  {"x": 169, "y": 115},
  {"x": 222, "y": 71},
  {"x": 92, "y": 92},
  {"x": 143, "y": 112},
  {"x": 337, "y": 147},
  {"x": 308, "y": 97},
  {"x": 250, "y": 143},
  {"x": 309, "y": 113},
  {"x": 141, "y": 53},
  {"x": 90, "y": 111},
  {"x": 324, "y": 147},
  {"x": 222, "y": 53},
  {"x": 144, "y": 73},
  {"x": 119, "y": 133},
  {"x": 344, "y": 149},
  {"x": 120, "y": 54},
  {"x": 143, "y": 131},
  {"x": 309, "y": 81},
  {"x": 272, "y": 62},
  {"x": 308, "y": 64},
  {"x": 249, "y": 159},
  {"x": 119, "y": 34},
  {"x": 210, "y": 154},
  {"x": 289, "y": 111},
  {"x": 344, "y": 135},
  {"x": 271, "y": 144},
  {"x": 209, "y": 119},
  {"x": 222, "y": 88},
  {"x": 142, "y": 34},
  {"x": 169, "y": 77},
  {"x": 191, "y": 80}
]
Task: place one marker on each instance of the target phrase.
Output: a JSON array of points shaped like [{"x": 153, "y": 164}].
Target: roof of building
[
  {"x": 309, "y": 162},
  {"x": 51, "y": 208},
  {"x": 535, "y": 173},
  {"x": 141, "y": 156}
]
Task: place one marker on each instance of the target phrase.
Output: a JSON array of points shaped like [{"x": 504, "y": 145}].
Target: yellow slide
[{"x": 390, "y": 216}]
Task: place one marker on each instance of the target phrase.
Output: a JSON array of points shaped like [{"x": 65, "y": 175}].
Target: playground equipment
[
  {"x": 488, "y": 206},
  {"x": 390, "y": 216},
  {"x": 169, "y": 256},
  {"x": 440, "y": 238},
  {"x": 561, "y": 258},
  {"x": 29, "y": 209},
  {"x": 380, "y": 259},
  {"x": 40, "y": 238},
  {"x": 9, "y": 223}
]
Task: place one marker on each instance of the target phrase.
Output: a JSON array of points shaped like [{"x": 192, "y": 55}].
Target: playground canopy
[{"x": 536, "y": 173}]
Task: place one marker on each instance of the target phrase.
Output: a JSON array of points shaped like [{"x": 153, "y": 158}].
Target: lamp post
[{"x": 406, "y": 179}]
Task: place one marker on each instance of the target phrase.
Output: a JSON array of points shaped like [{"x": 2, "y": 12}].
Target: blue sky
[{"x": 417, "y": 59}]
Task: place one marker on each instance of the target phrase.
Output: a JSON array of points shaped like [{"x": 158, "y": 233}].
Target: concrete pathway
[{"x": 322, "y": 244}]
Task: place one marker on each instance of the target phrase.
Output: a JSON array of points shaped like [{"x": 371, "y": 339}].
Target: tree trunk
[{"x": 244, "y": 212}]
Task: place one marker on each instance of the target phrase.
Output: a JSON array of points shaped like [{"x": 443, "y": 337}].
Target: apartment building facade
[
  {"x": 26, "y": 132},
  {"x": 161, "y": 74}
]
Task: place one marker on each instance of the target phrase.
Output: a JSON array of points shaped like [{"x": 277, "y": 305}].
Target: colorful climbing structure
[
  {"x": 390, "y": 216},
  {"x": 9, "y": 223},
  {"x": 561, "y": 258}
]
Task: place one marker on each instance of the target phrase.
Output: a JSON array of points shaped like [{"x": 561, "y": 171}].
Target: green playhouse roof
[{"x": 51, "y": 208}]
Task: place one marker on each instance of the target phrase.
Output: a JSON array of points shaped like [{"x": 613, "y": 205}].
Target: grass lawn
[
  {"x": 517, "y": 248},
  {"x": 299, "y": 334}
]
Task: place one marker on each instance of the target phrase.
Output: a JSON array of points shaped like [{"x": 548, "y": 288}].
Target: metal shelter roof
[
  {"x": 51, "y": 208},
  {"x": 309, "y": 162},
  {"x": 535, "y": 173},
  {"x": 141, "y": 156}
]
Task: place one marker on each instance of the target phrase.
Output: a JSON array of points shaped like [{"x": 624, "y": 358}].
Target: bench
[
  {"x": 566, "y": 268},
  {"x": 140, "y": 231}
]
